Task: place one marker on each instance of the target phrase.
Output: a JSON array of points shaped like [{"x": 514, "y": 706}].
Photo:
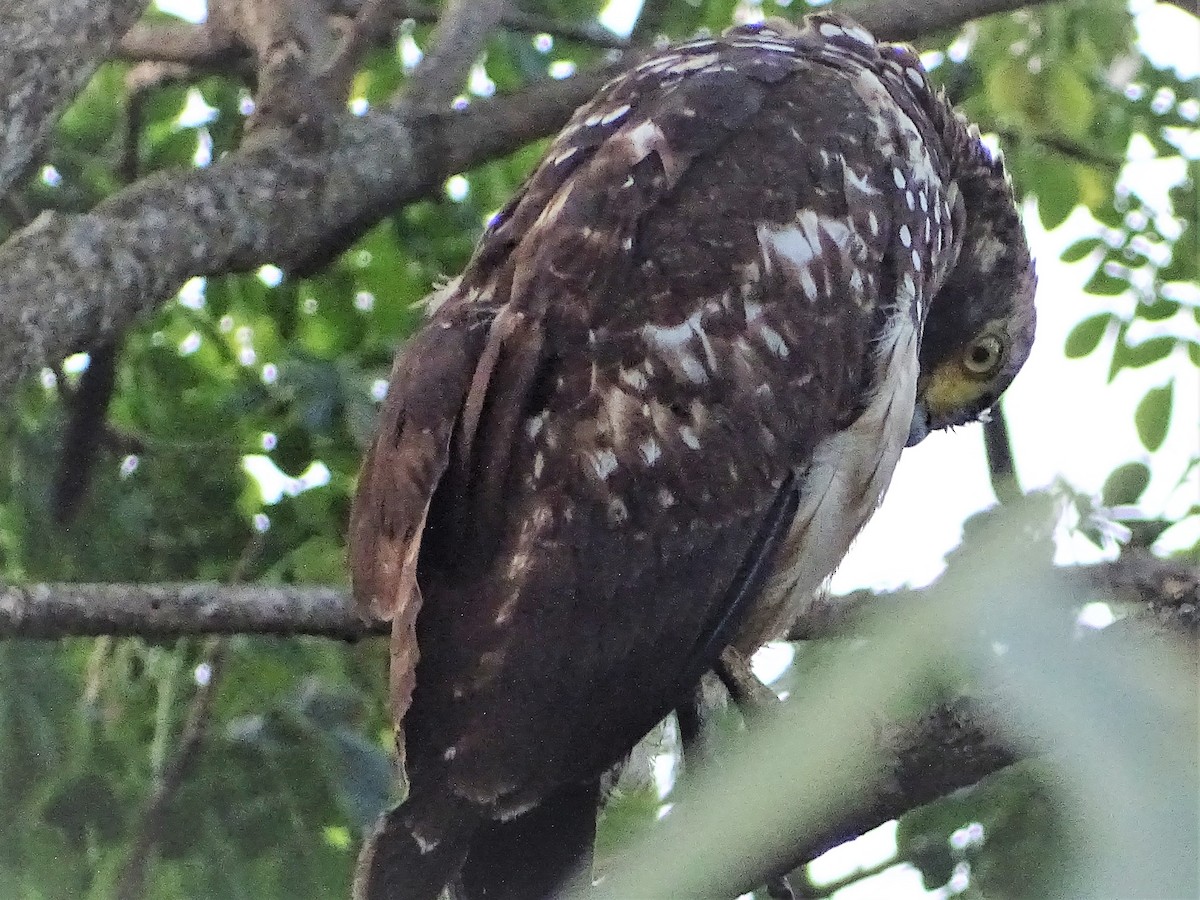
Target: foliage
[{"x": 289, "y": 370}]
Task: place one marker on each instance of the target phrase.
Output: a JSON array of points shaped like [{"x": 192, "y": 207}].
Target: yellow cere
[{"x": 951, "y": 388}]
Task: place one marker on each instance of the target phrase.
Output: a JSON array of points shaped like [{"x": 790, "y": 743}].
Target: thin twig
[
  {"x": 752, "y": 696},
  {"x": 998, "y": 447},
  {"x": 191, "y": 738}
]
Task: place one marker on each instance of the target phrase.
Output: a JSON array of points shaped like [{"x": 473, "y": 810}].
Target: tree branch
[
  {"x": 904, "y": 20},
  {"x": 1162, "y": 592},
  {"x": 158, "y": 611},
  {"x": 457, "y": 40},
  {"x": 951, "y": 747},
  {"x": 199, "y": 46},
  {"x": 207, "y": 48},
  {"x": 48, "y": 51}
]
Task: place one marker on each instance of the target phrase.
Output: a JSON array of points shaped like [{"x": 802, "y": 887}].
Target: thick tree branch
[
  {"x": 48, "y": 51},
  {"x": 904, "y": 20}
]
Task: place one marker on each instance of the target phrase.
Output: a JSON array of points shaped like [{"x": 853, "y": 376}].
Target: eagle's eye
[{"x": 983, "y": 356}]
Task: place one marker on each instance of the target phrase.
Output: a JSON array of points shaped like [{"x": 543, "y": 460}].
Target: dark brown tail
[
  {"x": 537, "y": 855},
  {"x": 416, "y": 849}
]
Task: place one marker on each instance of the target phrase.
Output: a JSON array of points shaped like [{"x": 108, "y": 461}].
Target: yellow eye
[{"x": 983, "y": 356}]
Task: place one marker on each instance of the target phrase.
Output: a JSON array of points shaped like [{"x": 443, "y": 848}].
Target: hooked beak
[{"x": 919, "y": 429}]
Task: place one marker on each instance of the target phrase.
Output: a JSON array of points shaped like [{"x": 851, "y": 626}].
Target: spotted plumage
[{"x": 751, "y": 267}]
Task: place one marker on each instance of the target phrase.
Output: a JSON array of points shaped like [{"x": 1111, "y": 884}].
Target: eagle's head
[{"x": 979, "y": 328}]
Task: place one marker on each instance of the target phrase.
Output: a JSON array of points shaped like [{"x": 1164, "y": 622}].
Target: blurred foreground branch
[{"x": 1163, "y": 592}]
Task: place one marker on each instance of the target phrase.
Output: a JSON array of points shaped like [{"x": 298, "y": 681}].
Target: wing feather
[{"x": 429, "y": 385}]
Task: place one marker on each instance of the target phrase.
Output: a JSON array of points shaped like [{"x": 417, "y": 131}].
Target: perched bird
[{"x": 651, "y": 415}]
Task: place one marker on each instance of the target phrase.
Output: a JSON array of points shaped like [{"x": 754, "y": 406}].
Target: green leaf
[
  {"x": 1153, "y": 415},
  {"x": 1103, "y": 284},
  {"x": 1085, "y": 337},
  {"x": 95, "y": 114},
  {"x": 1158, "y": 310},
  {"x": 174, "y": 148},
  {"x": 1144, "y": 354},
  {"x": 1070, "y": 104},
  {"x": 1125, "y": 484},
  {"x": 1080, "y": 249},
  {"x": 1056, "y": 187}
]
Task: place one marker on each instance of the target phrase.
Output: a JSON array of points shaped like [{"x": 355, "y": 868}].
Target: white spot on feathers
[
  {"x": 860, "y": 34},
  {"x": 643, "y": 138},
  {"x": 657, "y": 63},
  {"x": 555, "y": 206},
  {"x": 424, "y": 844},
  {"x": 616, "y": 114},
  {"x": 905, "y": 236},
  {"x": 788, "y": 243},
  {"x": 828, "y": 29},
  {"x": 634, "y": 379},
  {"x": 692, "y": 64},
  {"x": 858, "y": 181},
  {"x": 650, "y": 451},
  {"x": 618, "y": 512},
  {"x": 534, "y": 424},
  {"x": 672, "y": 343},
  {"x": 688, "y": 436},
  {"x": 898, "y": 177},
  {"x": 603, "y": 462},
  {"x": 774, "y": 341}
]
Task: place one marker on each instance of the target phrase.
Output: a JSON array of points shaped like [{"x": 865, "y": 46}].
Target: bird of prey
[{"x": 651, "y": 415}]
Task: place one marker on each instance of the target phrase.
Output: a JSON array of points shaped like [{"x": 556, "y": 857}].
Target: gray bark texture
[{"x": 48, "y": 51}]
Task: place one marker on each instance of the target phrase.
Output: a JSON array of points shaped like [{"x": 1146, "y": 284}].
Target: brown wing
[{"x": 471, "y": 368}]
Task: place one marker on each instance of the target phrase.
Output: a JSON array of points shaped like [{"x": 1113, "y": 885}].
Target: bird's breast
[{"x": 841, "y": 487}]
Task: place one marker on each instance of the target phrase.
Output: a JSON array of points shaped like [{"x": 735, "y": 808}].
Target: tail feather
[
  {"x": 416, "y": 849},
  {"x": 536, "y": 855}
]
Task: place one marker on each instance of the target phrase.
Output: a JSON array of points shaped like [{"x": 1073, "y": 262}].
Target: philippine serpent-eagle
[{"x": 651, "y": 415}]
